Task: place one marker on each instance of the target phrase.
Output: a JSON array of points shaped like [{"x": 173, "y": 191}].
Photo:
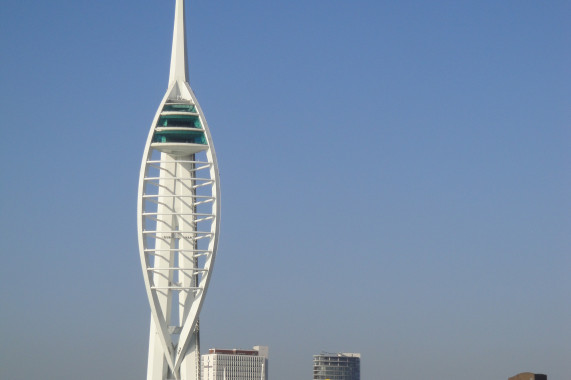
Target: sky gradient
[{"x": 395, "y": 181}]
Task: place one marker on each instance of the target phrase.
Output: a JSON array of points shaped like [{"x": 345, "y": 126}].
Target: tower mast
[{"x": 179, "y": 64}]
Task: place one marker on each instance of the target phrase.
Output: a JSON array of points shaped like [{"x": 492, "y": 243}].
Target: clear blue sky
[{"x": 395, "y": 182}]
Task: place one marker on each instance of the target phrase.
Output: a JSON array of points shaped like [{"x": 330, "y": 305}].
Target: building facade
[
  {"x": 220, "y": 364},
  {"x": 341, "y": 366}
]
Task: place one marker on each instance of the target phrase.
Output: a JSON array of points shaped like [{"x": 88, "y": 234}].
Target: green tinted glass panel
[
  {"x": 179, "y": 107},
  {"x": 193, "y": 137},
  {"x": 189, "y": 121}
]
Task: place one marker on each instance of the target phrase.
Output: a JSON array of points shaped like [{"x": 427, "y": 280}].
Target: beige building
[
  {"x": 234, "y": 364},
  {"x": 528, "y": 376}
]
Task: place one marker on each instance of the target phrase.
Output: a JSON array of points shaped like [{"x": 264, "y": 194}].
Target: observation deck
[{"x": 178, "y": 130}]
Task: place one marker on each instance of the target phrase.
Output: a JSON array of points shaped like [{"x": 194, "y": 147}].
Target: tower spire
[
  {"x": 177, "y": 220},
  {"x": 179, "y": 65}
]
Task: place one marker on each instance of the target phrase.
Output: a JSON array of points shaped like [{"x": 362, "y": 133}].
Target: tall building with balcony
[
  {"x": 235, "y": 364},
  {"x": 341, "y": 366}
]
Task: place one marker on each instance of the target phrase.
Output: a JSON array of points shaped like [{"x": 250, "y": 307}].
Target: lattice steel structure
[{"x": 178, "y": 220}]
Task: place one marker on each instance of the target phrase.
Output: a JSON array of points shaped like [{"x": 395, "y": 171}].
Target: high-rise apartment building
[
  {"x": 220, "y": 364},
  {"x": 341, "y": 366}
]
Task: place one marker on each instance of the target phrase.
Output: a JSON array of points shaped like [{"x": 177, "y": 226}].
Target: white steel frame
[{"x": 178, "y": 212}]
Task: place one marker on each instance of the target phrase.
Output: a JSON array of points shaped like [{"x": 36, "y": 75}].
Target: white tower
[{"x": 178, "y": 210}]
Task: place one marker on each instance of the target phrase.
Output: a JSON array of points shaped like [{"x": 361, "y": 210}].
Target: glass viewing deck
[
  {"x": 179, "y": 136},
  {"x": 178, "y": 130},
  {"x": 188, "y": 121}
]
